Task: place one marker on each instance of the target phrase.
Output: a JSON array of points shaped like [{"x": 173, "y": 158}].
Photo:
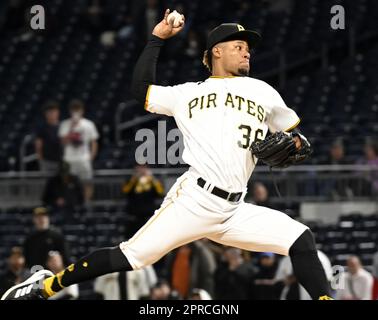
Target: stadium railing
[{"x": 315, "y": 183}]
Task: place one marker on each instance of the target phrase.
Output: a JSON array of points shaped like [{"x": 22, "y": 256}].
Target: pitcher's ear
[{"x": 216, "y": 51}]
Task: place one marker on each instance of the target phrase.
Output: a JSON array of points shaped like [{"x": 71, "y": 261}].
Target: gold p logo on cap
[{"x": 240, "y": 27}]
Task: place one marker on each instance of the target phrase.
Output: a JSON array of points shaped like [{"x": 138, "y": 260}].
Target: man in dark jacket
[
  {"x": 234, "y": 276},
  {"x": 64, "y": 191},
  {"x": 16, "y": 272},
  {"x": 264, "y": 284},
  {"x": 43, "y": 240},
  {"x": 47, "y": 142}
]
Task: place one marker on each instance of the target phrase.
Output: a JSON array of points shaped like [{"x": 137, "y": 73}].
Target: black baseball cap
[
  {"x": 40, "y": 211},
  {"x": 232, "y": 31}
]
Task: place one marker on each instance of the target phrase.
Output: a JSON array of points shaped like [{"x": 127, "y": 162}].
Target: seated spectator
[
  {"x": 143, "y": 191},
  {"x": 357, "y": 282},
  {"x": 371, "y": 158},
  {"x": 336, "y": 188},
  {"x": 43, "y": 240},
  {"x": 287, "y": 283},
  {"x": 132, "y": 285},
  {"x": 260, "y": 195},
  {"x": 162, "y": 291},
  {"x": 336, "y": 153},
  {"x": 191, "y": 266},
  {"x": 199, "y": 294},
  {"x": 55, "y": 265},
  {"x": 16, "y": 271},
  {"x": 233, "y": 278},
  {"x": 63, "y": 191},
  {"x": 47, "y": 143},
  {"x": 371, "y": 153},
  {"x": 263, "y": 287}
]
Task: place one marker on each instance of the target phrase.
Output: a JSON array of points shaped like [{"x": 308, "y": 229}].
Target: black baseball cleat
[{"x": 30, "y": 289}]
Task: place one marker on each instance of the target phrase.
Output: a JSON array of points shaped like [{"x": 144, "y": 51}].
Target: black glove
[{"x": 279, "y": 150}]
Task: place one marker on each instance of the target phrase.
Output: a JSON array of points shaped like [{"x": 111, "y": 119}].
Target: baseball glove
[{"x": 279, "y": 150}]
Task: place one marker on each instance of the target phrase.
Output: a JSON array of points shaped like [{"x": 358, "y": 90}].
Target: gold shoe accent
[{"x": 325, "y": 298}]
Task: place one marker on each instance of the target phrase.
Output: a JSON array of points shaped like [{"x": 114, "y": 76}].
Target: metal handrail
[
  {"x": 117, "y": 119},
  {"x": 180, "y": 170},
  {"x": 25, "y": 159},
  {"x": 121, "y": 126}
]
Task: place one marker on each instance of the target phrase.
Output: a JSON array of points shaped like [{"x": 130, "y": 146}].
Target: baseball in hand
[{"x": 175, "y": 19}]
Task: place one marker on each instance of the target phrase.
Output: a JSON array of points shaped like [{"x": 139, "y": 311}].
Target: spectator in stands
[
  {"x": 233, "y": 278},
  {"x": 143, "y": 193},
  {"x": 132, "y": 285},
  {"x": 47, "y": 143},
  {"x": 55, "y": 265},
  {"x": 336, "y": 188},
  {"x": 16, "y": 272},
  {"x": 79, "y": 137},
  {"x": 357, "y": 282},
  {"x": 199, "y": 294},
  {"x": 263, "y": 287},
  {"x": 287, "y": 284},
  {"x": 371, "y": 153},
  {"x": 163, "y": 291},
  {"x": 260, "y": 195},
  {"x": 371, "y": 158},
  {"x": 337, "y": 153},
  {"x": 191, "y": 266},
  {"x": 43, "y": 240},
  {"x": 63, "y": 191}
]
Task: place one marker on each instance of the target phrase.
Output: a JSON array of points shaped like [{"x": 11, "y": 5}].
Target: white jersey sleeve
[
  {"x": 162, "y": 99},
  {"x": 281, "y": 117}
]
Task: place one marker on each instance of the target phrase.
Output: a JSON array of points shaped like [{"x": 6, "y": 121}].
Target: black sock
[
  {"x": 307, "y": 266},
  {"x": 97, "y": 263}
]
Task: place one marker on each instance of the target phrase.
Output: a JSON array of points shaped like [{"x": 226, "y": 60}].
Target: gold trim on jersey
[
  {"x": 154, "y": 217},
  {"x": 147, "y": 96},
  {"x": 220, "y": 77},
  {"x": 143, "y": 229},
  {"x": 293, "y": 126}
]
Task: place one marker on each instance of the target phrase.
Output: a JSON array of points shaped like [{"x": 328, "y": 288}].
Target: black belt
[{"x": 229, "y": 196}]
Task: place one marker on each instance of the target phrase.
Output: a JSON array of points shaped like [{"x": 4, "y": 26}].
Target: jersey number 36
[{"x": 247, "y": 130}]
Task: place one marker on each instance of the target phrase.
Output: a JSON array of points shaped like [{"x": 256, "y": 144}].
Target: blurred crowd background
[{"x": 69, "y": 180}]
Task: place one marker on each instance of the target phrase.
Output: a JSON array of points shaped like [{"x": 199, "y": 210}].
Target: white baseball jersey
[{"x": 219, "y": 119}]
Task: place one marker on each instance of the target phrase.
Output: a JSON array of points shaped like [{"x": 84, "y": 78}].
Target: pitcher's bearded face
[{"x": 234, "y": 56}]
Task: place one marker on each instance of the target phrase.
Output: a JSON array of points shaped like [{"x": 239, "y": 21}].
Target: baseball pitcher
[{"x": 224, "y": 121}]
